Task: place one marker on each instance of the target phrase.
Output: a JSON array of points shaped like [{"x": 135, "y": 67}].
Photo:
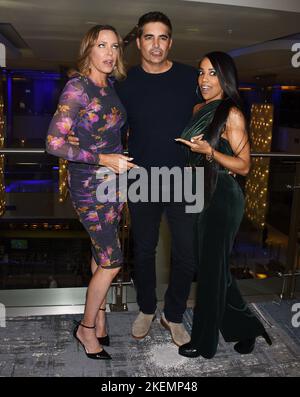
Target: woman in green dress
[{"x": 217, "y": 139}]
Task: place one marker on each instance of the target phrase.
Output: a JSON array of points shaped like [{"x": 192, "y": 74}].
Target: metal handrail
[
  {"x": 22, "y": 150},
  {"x": 43, "y": 151}
]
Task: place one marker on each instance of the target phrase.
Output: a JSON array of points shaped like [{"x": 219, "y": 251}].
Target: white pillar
[
  {"x": 2, "y": 55},
  {"x": 2, "y": 315}
]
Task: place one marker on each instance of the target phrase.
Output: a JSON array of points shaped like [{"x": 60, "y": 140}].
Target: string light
[
  {"x": 256, "y": 188},
  {"x": 63, "y": 184}
]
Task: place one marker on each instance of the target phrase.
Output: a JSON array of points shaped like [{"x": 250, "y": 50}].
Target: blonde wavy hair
[{"x": 89, "y": 41}]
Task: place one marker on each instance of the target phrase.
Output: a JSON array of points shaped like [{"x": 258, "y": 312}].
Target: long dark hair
[{"x": 228, "y": 77}]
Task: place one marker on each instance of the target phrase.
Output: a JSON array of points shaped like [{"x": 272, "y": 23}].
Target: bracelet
[{"x": 210, "y": 157}]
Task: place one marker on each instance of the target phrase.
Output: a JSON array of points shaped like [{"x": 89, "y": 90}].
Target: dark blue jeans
[{"x": 145, "y": 223}]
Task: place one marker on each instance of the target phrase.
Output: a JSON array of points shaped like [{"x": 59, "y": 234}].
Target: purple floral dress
[{"x": 96, "y": 116}]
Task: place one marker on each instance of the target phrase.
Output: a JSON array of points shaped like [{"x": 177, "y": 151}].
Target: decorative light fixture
[
  {"x": 63, "y": 182},
  {"x": 2, "y": 186},
  {"x": 289, "y": 88},
  {"x": 256, "y": 189}
]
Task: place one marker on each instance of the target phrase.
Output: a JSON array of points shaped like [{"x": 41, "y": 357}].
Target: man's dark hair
[{"x": 153, "y": 16}]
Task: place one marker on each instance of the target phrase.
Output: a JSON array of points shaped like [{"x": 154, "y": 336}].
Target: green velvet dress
[{"x": 219, "y": 304}]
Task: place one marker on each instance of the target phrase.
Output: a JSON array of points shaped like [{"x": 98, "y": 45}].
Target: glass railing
[
  {"x": 43, "y": 245},
  {"x": 271, "y": 250}
]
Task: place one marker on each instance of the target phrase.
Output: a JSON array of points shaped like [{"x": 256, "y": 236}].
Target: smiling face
[
  {"x": 104, "y": 53},
  {"x": 154, "y": 44},
  {"x": 208, "y": 81}
]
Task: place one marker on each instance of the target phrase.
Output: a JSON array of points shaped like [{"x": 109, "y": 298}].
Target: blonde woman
[{"x": 90, "y": 108}]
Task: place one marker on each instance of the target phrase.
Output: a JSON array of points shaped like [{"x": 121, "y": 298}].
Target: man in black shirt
[{"x": 159, "y": 96}]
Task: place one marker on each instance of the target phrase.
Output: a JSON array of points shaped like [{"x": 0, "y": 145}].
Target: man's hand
[
  {"x": 116, "y": 162},
  {"x": 72, "y": 139}
]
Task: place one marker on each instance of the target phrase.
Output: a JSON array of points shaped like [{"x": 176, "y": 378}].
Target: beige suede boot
[
  {"x": 141, "y": 325},
  {"x": 178, "y": 332}
]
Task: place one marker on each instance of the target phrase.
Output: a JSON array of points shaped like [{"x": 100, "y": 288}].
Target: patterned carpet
[{"x": 44, "y": 346}]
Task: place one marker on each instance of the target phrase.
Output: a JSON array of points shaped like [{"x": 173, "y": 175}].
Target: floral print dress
[{"x": 96, "y": 115}]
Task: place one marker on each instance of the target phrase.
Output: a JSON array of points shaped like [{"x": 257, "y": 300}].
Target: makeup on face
[
  {"x": 104, "y": 54},
  {"x": 208, "y": 81}
]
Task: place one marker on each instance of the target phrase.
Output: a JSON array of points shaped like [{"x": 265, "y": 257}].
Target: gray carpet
[{"x": 44, "y": 346}]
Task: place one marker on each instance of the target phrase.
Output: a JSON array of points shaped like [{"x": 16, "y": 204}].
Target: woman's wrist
[{"x": 210, "y": 154}]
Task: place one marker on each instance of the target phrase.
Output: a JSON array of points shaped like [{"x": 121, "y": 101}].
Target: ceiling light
[{"x": 192, "y": 29}]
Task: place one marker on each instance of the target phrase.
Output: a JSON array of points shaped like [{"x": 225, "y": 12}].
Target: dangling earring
[{"x": 198, "y": 93}]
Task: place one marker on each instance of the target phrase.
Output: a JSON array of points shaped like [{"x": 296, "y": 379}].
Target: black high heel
[
  {"x": 189, "y": 350},
  {"x": 103, "y": 340},
  {"x": 102, "y": 355},
  {"x": 267, "y": 338},
  {"x": 246, "y": 346}
]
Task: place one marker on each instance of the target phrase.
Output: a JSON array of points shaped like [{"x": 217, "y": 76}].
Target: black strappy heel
[
  {"x": 102, "y": 355},
  {"x": 103, "y": 340}
]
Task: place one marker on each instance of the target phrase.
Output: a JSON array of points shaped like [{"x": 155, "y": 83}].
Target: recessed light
[{"x": 192, "y": 29}]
